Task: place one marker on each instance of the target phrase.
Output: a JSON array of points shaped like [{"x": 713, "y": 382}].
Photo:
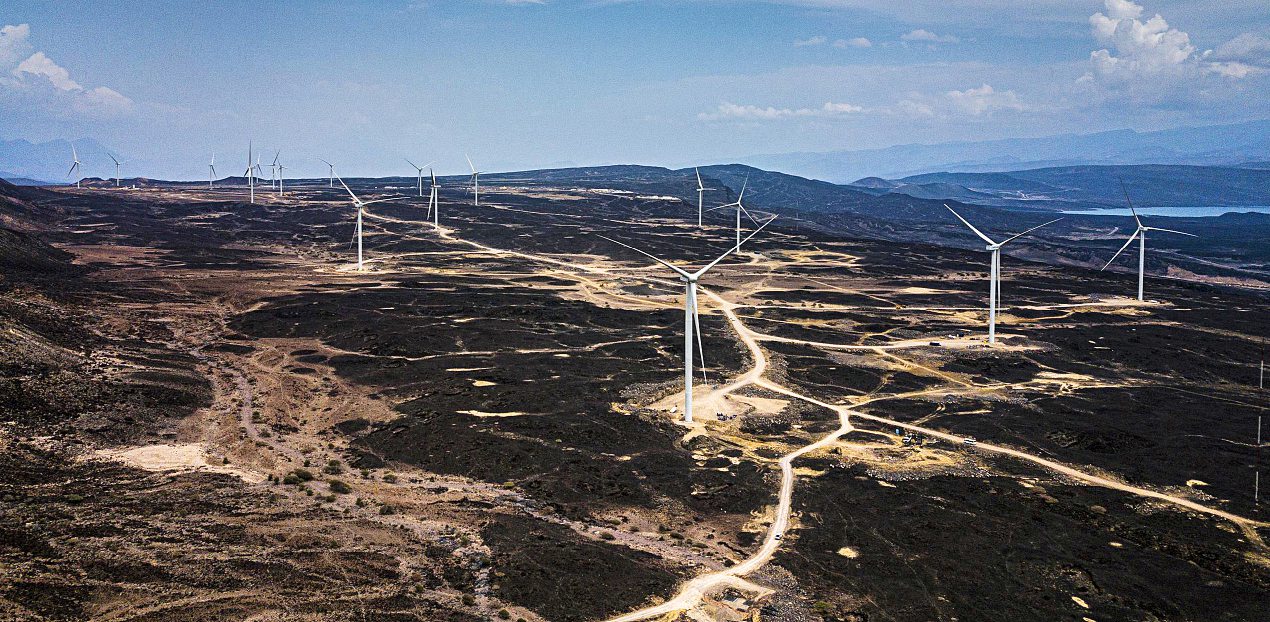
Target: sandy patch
[
  {"x": 477, "y": 413},
  {"x": 167, "y": 458},
  {"x": 848, "y": 552},
  {"x": 483, "y": 383}
]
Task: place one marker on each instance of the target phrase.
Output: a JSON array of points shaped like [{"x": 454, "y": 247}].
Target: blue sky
[{"x": 559, "y": 82}]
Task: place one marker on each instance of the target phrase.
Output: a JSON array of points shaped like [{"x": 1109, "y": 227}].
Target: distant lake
[{"x": 1179, "y": 212}]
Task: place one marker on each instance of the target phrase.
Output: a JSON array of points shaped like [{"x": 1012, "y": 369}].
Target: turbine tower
[
  {"x": 280, "y": 169},
  {"x": 74, "y": 164},
  {"x": 739, "y": 209},
  {"x": 1141, "y": 234},
  {"x": 434, "y": 206},
  {"x": 273, "y": 169},
  {"x": 691, "y": 318},
  {"x": 476, "y": 182},
  {"x": 250, "y": 173},
  {"x": 361, "y": 207},
  {"x": 994, "y": 273},
  {"x": 331, "y": 184},
  {"x": 211, "y": 171},
  {"x": 701, "y": 196},
  {"x": 118, "y": 164},
  {"x": 420, "y": 169}
]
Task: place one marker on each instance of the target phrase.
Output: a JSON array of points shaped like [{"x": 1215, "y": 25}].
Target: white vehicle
[{"x": 969, "y": 440}]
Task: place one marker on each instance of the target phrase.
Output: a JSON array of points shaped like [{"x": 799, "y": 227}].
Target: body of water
[{"x": 1179, "y": 212}]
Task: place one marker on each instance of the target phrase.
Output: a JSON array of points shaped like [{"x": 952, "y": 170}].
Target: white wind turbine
[
  {"x": 250, "y": 173},
  {"x": 118, "y": 165},
  {"x": 273, "y": 169},
  {"x": 211, "y": 171},
  {"x": 691, "y": 319},
  {"x": 1141, "y": 234},
  {"x": 434, "y": 206},
  {"x": 739, "y": 209},
  {"x": 280, "y": 169},
  {"x": 476, "y": 182},
  {"x": 331, "y": 184},
  {"x": 420, "y": 169},
  {"x": 701, "y": 195},
  {"x": 361, "y": 208},
  {"x": 994, "y": 273},
  {"x": 74, "y": 164}
]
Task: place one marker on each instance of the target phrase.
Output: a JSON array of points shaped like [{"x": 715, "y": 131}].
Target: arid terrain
[{"x": 208, "y": 413}]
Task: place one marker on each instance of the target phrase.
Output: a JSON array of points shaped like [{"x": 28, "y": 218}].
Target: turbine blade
[
  {"x": 1125, "y": 189},
  {"x": 743, "y": 186},
  {"x": 712, "y": 264},
  {"x": 350, "y": 192},
  {"x": 1126, "y": 245},
  {"x": 746, "y": 212},
  {"x": 469, "y": 164},
  {"x": 677, "y": 269},
  {"x": 700, "y": 186},
  {"x": 380, "y": 200},
  {"x": 733, "y": 204},
  {"x": 413, "y": 164},
  {"x": 701, "y": 349},
  {"x": 1170, "y": 231},
  {"x": 1029, "y": 231},
  {"x": 972, "y": 227}
]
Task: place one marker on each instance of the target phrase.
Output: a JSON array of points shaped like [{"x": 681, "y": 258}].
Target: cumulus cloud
[
  {"x": 38, "y": 80},
  {"x": 858, "y": 42},
  {"x": 732, "y": 111},
  {"x": 983, "y": 100},
  {"x": 817, "y": 40},
  {"x": 40, "y": 65},
  {"x": 13, "y": 43},
  {"x": 1137, "y": 49},
  {"x": 925, "y": 36}
]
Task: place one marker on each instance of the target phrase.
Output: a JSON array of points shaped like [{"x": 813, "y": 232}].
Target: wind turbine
[
  {"x": 994, "y": 274},
  {"x": 361, "y": 207},
  {"x": 1141, "y": 234},
  {"x": 211, "y": 174},
  {"x": 118, "y": 164},
  {"x": 280, "y": 169},
  {"x": 691, "y": 318},
  {"x": 476, "y": 182},
  {"x": 420, "y": 169},
  {"x": 701, "y": 195},
  {"x": 332, "y": 167},
  {"x": 273, "y": 169},
  {"x": 74, "y": 164},
  {"x": 434, "y": 206},
  {"x": 250, "y": 173},
  {"x": 739, "y": 208}
]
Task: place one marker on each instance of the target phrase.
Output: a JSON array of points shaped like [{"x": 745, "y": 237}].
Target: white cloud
[
  {"x": 13, "y": 43},
  {"x": 728, "y": 110},
  {"x": 923, "y": 35},
  {"x": 41, "y": 82},
  {"x": 40, "y": 65},
  {"x": 858, "y": 42},
  {"x": 1141, "y": 53},
  {"x": 984, "y": 100},
  {"x": 817, "y": 40},
  {"x": 1149, "y": 47}
]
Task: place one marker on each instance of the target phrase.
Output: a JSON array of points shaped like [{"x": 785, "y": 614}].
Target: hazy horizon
[{"x": 663, "y": 82}]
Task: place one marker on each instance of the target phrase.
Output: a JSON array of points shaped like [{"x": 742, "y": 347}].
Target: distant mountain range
[
  {"x": 1241, "y": 144},
  {"x": 27, "y": 163},
  {"x": 1078, "y": 187}
]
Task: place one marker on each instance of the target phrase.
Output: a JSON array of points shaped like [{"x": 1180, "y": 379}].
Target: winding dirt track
[{"x": 692, "y": 592}]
